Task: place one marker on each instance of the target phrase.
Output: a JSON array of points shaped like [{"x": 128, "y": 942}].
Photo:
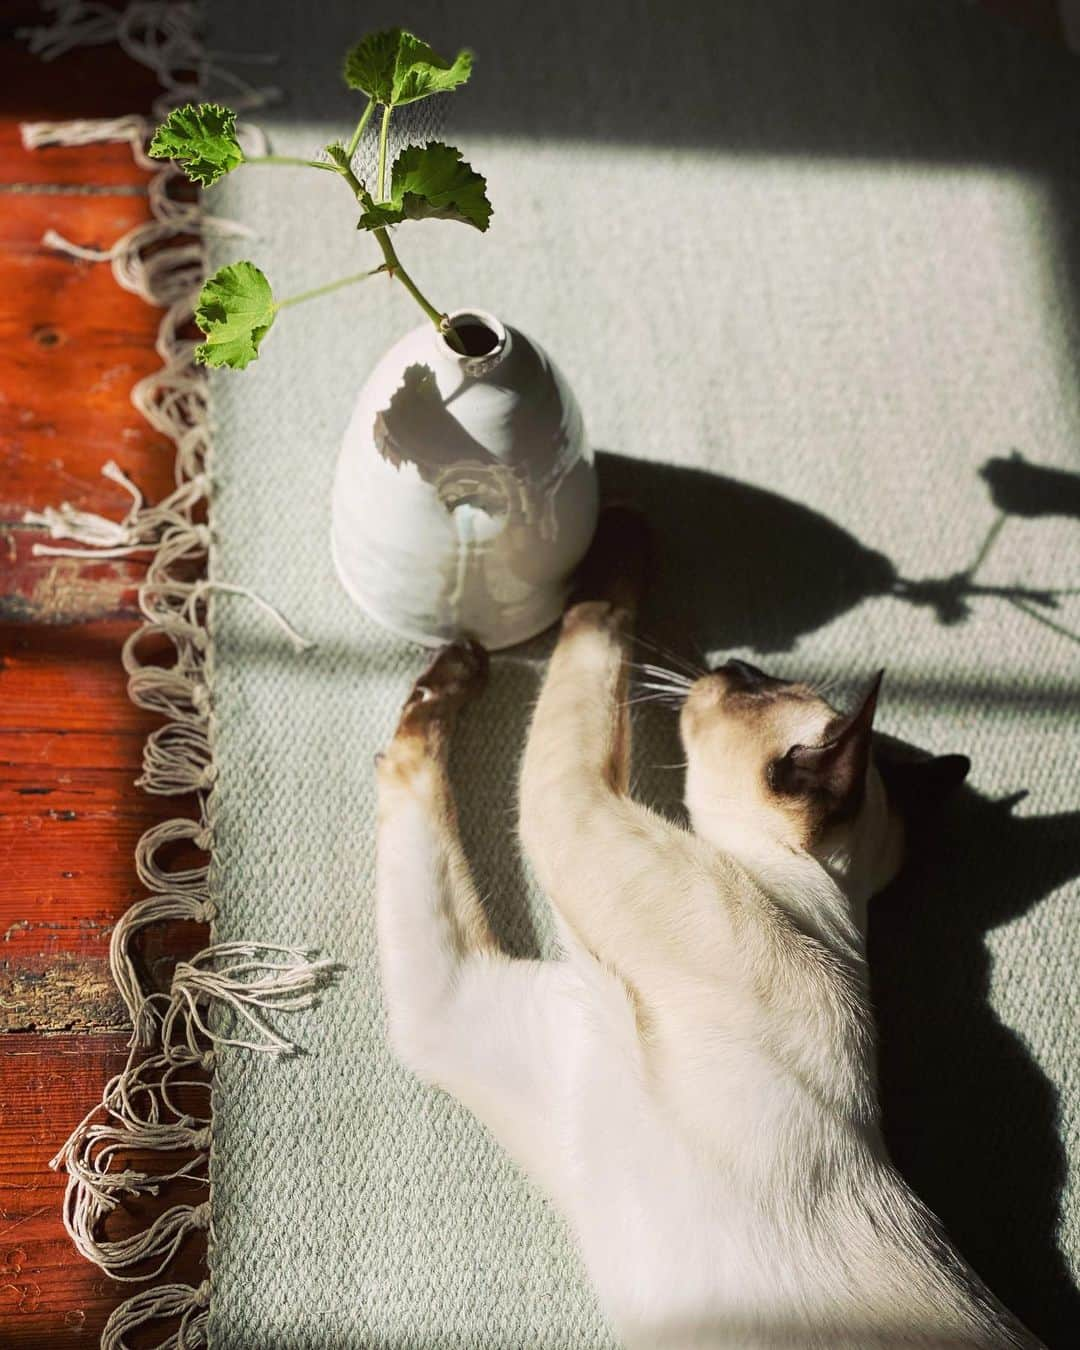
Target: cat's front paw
[{"x": 457, "y": 673}]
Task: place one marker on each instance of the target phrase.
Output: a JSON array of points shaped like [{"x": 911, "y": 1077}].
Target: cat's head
[{"x": 771, "y": 758}]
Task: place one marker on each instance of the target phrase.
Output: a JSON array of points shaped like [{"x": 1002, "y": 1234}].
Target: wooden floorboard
[
  {"x": 89, "y": 82},
  {"x": 72, "y": 344},
  {"x": 49, "y": 1296},
  {"x": 40, "y": 590}
]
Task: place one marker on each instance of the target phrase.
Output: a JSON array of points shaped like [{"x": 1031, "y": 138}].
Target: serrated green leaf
[
  {"x": 370, "y": 65},
  {"x": 200, "y": 138},
  {"x": 394, "y": 67},
  {"x": 431, "y": 181},
  {"x": 235, "y": 310}
]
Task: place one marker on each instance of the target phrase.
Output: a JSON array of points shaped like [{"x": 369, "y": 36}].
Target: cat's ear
[{"x": 834, "y": 773}]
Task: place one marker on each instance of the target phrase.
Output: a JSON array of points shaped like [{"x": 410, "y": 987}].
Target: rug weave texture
[{"x": 813, "y": 273}]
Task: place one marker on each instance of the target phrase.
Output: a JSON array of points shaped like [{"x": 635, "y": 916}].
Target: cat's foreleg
[
  {"x": 461, "y": 1014},
  {"x": 579, "y": 742},
  {"x": 593, "y": 849},
  {"x": 430, "y": 918}
]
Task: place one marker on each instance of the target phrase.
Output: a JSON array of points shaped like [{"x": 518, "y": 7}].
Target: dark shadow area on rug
[
  {"x": 934, "y": 80},
  {"x": 739, "y": 566},
  {"x": 970, "y": 1118}
]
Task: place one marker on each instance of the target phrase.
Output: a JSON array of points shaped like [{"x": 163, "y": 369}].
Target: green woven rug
[{"x": 813, "y": 273}]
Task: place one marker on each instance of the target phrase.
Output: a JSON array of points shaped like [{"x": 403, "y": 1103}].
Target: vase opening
[
  {"x": 481, "y": 335},
  {"x": 477, "y": 338}
]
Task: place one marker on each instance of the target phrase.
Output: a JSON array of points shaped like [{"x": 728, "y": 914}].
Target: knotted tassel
[{"x": 187, "y": 1302}]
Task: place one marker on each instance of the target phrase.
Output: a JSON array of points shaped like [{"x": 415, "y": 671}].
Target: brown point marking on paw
[
  {"x": 592, "y": 615},
  {"x": 457, "y": 673}
]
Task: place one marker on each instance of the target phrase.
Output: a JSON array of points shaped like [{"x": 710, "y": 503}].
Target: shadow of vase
[{"x": 736, "y": 565}]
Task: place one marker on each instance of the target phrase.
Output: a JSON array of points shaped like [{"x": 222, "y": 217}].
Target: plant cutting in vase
[
  {"x": 393, "y": 68},
  {"x": 465, "y": 493}
]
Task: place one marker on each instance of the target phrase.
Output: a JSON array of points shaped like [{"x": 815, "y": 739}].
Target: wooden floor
[{"x": 72, "y": 344}]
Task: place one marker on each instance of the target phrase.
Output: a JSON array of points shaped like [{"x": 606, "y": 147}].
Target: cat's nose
[{"x": 742, "y": 675}]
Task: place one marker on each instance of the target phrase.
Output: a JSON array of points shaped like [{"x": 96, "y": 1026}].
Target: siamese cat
[{"x": 693, "y": 1082}]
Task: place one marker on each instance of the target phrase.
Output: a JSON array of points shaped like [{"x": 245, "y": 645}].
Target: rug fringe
[
  {"x": 221, "y": 996},
  {"x": 187, "y": 1302},
  {"x": 162, "y": 35}
]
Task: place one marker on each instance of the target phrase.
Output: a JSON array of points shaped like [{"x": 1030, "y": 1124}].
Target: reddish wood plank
[
  {"x": 88, "y": 819},
  {"x": 88, "y": 82},
  {"x": 63, "y": 590},
  {"x": 70, "y": 816},
  {"x": 66, "y": 846},
  {"x": 47, "y": 1081},
  {"x": 50, "y": 1296},
  {"x": 56, "y": 680},
  {"x": 72, "y": 345},
  {"x": 56, "y": 753}
]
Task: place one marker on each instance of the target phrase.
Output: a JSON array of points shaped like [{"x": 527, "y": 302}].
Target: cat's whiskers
[
  {"x": 663, "y": 687},
  {"x": 660, "y": 684},
  {"x": 662, "y": 673},
  {"x": 695, "y": 672},
  {"x": 826, "y": 688},
  {"x": 671, "y": 690},
  {"x": 665, "y": 699}
]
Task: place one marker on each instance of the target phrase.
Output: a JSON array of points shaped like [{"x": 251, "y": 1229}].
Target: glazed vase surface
[{"x": 465, "y": 493}]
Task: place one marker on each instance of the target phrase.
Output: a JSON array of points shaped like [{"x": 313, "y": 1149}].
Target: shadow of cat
[
  {"x": 970, "y": 1119},
  {"x": 484, "y": 771},
  {"x": 722, "y": 547}
]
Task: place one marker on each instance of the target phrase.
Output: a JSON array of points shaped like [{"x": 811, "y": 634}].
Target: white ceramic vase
[{"x": 465, "y": 494}]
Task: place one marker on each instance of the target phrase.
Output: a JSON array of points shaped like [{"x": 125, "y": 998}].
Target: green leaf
[
  {"x": 394, "y": 67},
  {"x": 430, "y": 180},
  {"x": 338, "y": 155},
  {"x": 202, "y": 139},
  {"x": 235, "y": 310}
]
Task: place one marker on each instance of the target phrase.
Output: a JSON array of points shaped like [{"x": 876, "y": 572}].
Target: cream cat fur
[{"x": 693, "y": 1083}]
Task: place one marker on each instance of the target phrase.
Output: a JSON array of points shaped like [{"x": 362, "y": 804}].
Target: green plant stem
[
  {"x": 392, "y": 263},
  {"x": 353, "y": 181},
  {"x": 330, "y": 286},
  {"x": 383, "y": 132},
  {"x": 288, "y": 159},
  {"x": 394, "y": 267},
  {"x": 354, "y": 139}
]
